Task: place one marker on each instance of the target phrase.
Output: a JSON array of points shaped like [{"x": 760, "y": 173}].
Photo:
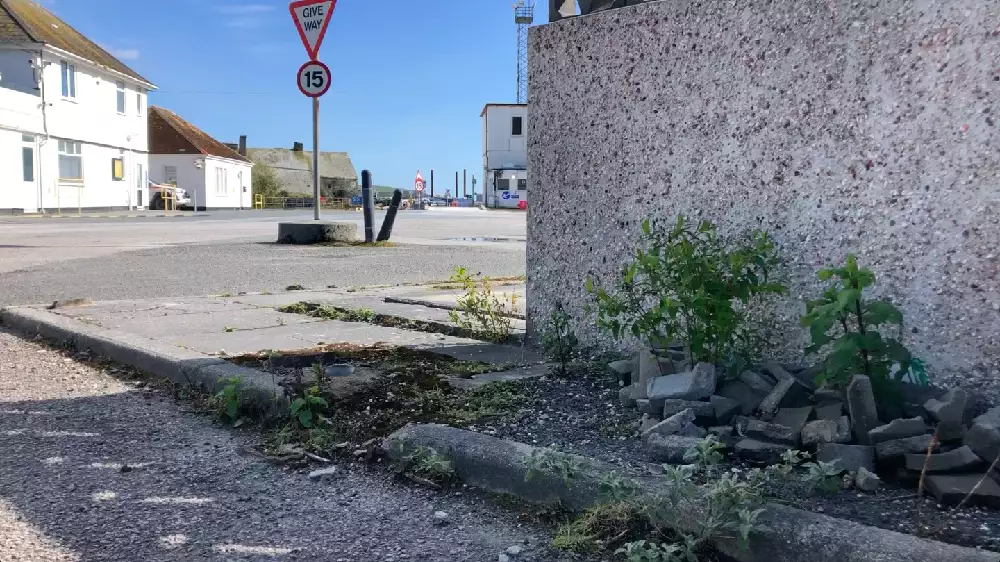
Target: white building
[
  {"x": 214, "y": 175},
  {"x": 72, "y": 118},
  {"x": 505, "y": 154}
]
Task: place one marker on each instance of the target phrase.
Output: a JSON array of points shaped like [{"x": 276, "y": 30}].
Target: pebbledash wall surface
[{"x": 838, "y": 126}]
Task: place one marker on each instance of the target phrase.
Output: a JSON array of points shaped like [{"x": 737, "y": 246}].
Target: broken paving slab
[
  {"x": 952, "y": 489},
  {"x": 961, "y": 459},
  {"x": 194, "y": 324}
]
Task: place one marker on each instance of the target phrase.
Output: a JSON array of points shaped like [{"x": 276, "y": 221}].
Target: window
[
  {"x": 516, "y": 126},
  {"x": 68, "y": 80},
  {"x": 138, "y": 101},
  {"x": 522, "y": 185},
  {"x": 70, "y": 161},
  {"x": 503, "y": 184},
  {"x": 28, "y": 158},
  {"x": 221, "y": 182},
  {"x": 170, "y": 174},
  {"x": 121, "y": 96}
]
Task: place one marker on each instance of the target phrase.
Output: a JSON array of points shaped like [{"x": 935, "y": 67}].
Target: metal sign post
[{"x": 311, "y": 18}]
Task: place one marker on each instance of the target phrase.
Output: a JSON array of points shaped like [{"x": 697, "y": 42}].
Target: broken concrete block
[
  {"x": 737, "y": 390},
  {"x": 643, "y": 405},
  {"x": 847, "y": 457},
  {"x": 898, "y": 447},
  {"x": 819, "y": 432},
  {"x": 961, "y": 459},
  {"x": 725, "y": 408},
  {"x": 867, "y": 481},
  {"x": 984, "y": 435},
  {"x": 756, "y": 381},
  {"x": 671, "y": 425},
  {"x": 861, "y": 407},
  {"x": 760, "y": 451},
  {"x": 762, "y": 430},
  {"x": 694, "y": 385},
  {"x": 794, "y": 418},
  {"x": 949, "y": 408},
  {"x": 827, "y": 396},
  {"x": 647, "y": 422},
  {"x": 704, "y": 412},
  {"x": 897, "y": 429},
  {"x": 647, "y": 369},
  {"x": 830, "y": 411},
  {"x": 951, "y": 431},
  {"x": 669, "y": 448},
  {"x": 951, "y": 489},
  {"x": 844, "y": 430},
  {"x": 625, "y": 397}
]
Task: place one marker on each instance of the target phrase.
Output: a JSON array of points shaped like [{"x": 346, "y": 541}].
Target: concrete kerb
[
  {"x": 177, "y": 364},
  {"x": 787, "y": 534}
]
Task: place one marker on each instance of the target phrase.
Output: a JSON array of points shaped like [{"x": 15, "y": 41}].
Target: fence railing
[{"x": 261, "y": 202}]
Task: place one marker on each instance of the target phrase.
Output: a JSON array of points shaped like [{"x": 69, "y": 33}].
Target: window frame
[
  {"x": 121, "y": 103},
  {"x": 68, "y": 79},
  {"x": 70, "y": 150},
  {"x": 519, "y": 119},
  {"x": 138, "y": 101},
  {"x": 28, "y": 162}
]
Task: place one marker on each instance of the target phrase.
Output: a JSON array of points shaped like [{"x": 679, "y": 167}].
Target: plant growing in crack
[
  {"x": 549, "y": 461},
  {"x": 822, "y": 476},
  {"x": 230, "y": 399},
  {"x": 480, "y": 310},
  {"x": 847, "y": 324},
  {"x": 708, "y": 452},
  {"x": 308, "y": 408},
  {"x": 558, "y": 338},
  {"x": 427, "y": 463}
]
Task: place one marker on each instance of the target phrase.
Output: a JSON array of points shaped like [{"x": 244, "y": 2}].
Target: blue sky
[{"x": 409, "y": 78}]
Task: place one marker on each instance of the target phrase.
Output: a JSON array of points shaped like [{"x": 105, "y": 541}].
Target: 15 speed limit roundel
[{"x": 314, "y": 79}]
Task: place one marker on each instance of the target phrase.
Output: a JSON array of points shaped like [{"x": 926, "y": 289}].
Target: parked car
[{"x": 159, "y": 192}]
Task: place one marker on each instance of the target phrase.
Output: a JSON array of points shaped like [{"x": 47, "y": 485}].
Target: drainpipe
[{"x": 40, "y": 68}]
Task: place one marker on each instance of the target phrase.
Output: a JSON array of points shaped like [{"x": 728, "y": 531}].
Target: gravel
[
  {"x": 96, "y": 468},
  {"x": 186, "y": 270}
]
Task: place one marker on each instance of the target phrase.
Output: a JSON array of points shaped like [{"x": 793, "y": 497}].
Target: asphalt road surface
[{"x": 42, "y": 260}]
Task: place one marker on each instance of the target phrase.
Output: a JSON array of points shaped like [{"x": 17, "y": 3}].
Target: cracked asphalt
[{"x": 194, "y": 491}]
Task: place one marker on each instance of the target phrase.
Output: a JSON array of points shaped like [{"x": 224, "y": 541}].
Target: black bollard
[
  {"x": 368, "y": 205},
  {"x": 390, "y": 217}
]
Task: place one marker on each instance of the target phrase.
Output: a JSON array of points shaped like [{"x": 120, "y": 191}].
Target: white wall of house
[
  {"x": 217, "y": 185},
  {"x": 89, "y": 117},
  {"x": 505, "y": 152}
]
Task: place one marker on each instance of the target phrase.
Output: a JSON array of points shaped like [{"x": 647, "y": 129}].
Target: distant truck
[{"x": 160, "y": 192}]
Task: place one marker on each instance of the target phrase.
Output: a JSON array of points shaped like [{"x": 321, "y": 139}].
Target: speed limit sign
[{"x": 314, "y": 79}]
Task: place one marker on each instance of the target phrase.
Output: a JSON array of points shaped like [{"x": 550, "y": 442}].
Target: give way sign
[{"x": 312, "y": 18}]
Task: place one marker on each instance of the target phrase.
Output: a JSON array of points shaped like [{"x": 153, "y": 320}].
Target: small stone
[
  {"x": 704, "y": 412},
  {"x": 514, "y": 550},
  {"x": 951, "y": 489},
  {"x": 694, "y": 385},
  {"x": 725, "y": 408},
  {"x": 323, "y": 472},
  {"x": 861, "y": 407},
  {"x": 441, "y": 518},
  {"x": 669, "y": 448},
  {"x": 625, "y": 397},
  {"x": 737, "y": 390},
  {"x": 897, "y": 429},
  {"x": 757, "y": 382},
  {"x": 819, "y": 432},
  {"x": 773, "y": 432},
  {"x": 831, "y": 411},
  {"x": 847, "y": 457},
  {"x": 961, "y": 459},
  {"x": 899, "y": 447},
  {"x": 867, "y": 481},
  {"x": 671, "y": 425},
  {"x": 950, "y": 408},
  {"x": 760, "y": 451}
]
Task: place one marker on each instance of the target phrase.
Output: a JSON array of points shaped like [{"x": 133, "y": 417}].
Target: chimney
[
  {"x": 297, "y": 147},
  {"x": 243, "y": 145}
]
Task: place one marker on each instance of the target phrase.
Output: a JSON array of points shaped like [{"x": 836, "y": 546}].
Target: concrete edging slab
[
  {"x": 789, "y": 534},
  {"x": 177, "y": 364}
]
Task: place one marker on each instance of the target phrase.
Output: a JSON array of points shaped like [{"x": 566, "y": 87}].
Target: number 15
[{"x": 313, "y": 79}]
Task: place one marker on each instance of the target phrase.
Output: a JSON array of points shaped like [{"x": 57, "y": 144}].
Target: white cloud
[
  {"x": 126, "y": 54},
  {"x": 244, "y": 9},
  {"x": 244, "y": 23}
]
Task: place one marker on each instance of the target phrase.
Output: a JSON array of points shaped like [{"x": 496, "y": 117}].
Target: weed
[
  {"x": 265, "y": 293},
  {"x": 822, "y": 476},
  {"x": 689, "y": 284},
  {"x": 228, "y": 329},
  {"x": 558, "y": 338},
  {"x": 319, "y": 374},
  {"x": 364, "y": 315},
  {"x": 550, "y": 461},
  {"x": 602, "y": 526},
  {"x": 617, "y": 487},
  {"x": 646, "y": 551},
  {"x": 427, "y": 463},
  {"x": 309, "y": 407},
  {"x": 295, "y": 288},
  {"x": 230, "y": 399},
  {"x": 480, "y": 311},
  {"x": 843, "y": 322},
  {"x": 226, "y": 295},
  {"x": 708, "y": 452}
]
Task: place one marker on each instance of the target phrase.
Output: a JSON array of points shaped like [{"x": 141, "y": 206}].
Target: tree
[{"x": 266, "y": 182}]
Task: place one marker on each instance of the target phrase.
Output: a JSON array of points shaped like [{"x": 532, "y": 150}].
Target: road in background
[{"x": 123, "y": 258}]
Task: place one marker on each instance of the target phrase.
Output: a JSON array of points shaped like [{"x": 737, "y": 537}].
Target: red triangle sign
[{"x": 311, "y": 18}]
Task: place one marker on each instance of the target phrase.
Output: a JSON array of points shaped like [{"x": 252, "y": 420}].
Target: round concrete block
[{"x": 313, "y": 232}]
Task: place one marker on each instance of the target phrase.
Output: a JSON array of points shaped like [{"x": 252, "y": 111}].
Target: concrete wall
[{"x": 839, "y": 126}]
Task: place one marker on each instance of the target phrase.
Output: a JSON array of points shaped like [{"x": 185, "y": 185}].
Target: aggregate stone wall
[{"x": 839, "y": 126}]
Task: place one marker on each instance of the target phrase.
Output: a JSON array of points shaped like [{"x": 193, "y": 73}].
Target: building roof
[
  {"x": 294, "y": 167},
  {"x": 24, "y": 21},
  {"x": 169, "y": 134},
  {"x": 489, "y": 105}
]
